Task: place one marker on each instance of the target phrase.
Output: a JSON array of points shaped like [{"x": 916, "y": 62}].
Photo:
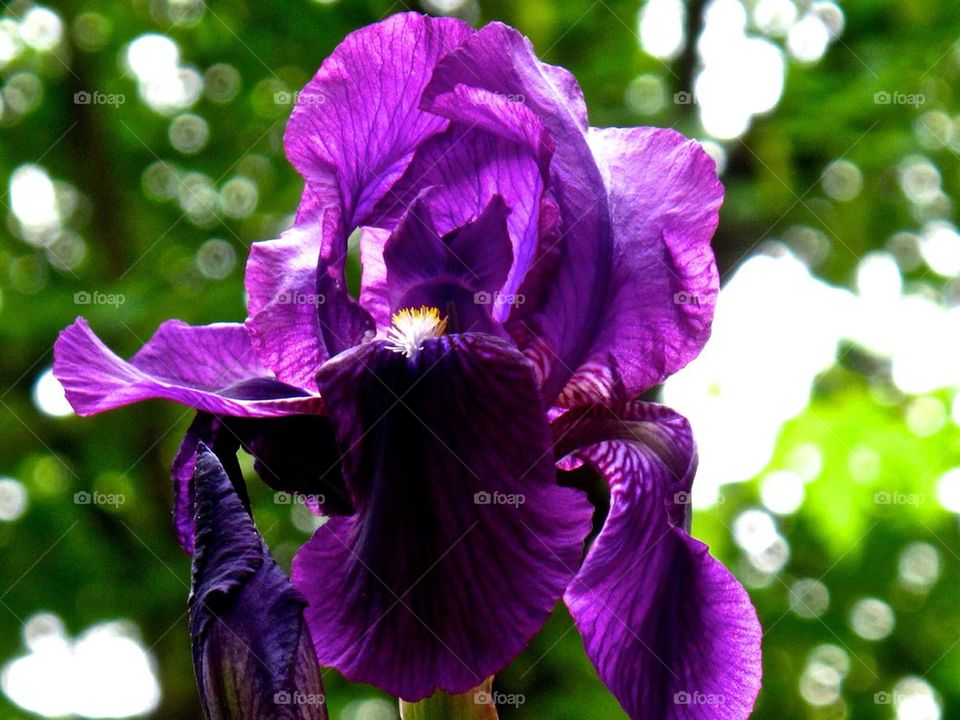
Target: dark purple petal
[
  {"x": 638, "y": 208},
  {"x": 459, "y": 273},
  {"x": 462, "y": 541},
  {"x": 251, "y": 647},
  {"x": 357, "y": 123},
  {"x": 671, "y": 631},
  {"x": 212, "y": 368},
  {"x": 296, "y": 456}
]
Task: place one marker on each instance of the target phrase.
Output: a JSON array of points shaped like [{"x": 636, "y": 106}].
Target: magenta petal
[
  {"x": 638, "y": 208},
  {"x": 213, "y": 368},
  {"x": 357, "y": 123},
  {"x": 672, "y": 633},
  {"x": 284, "y": 323},
  {"x": 462, "y": 542},
  {"x": 664, "y": 199}
]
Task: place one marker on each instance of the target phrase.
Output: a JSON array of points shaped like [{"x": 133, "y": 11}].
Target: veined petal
[
  {"x": 357, "y": 122},
  {"x": 300, "y": 312},
  {"x": 251, "y": 647},
  {"x": 213, "y": 368},
  {"x": 638, "y": 208},
  {"x": 664, "y": 199},
  {"x": 672, "y": 633},
  {"x": 462, "y": 541}
]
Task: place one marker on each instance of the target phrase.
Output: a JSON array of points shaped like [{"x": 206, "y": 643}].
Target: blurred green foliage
[{"x": 94, "y": 563}]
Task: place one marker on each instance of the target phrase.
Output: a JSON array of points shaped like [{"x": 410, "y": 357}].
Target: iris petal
[
  {"x": 671, "y": 631},
  {"x": 212, "y": 368},
  {"x": 462, "y": 542}
]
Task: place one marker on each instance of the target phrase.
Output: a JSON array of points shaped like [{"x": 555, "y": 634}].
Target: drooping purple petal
[
  {"x": 357, "y": 123},
  {"x": 672, "y": 633},
  {"x": 638, "y": 208},
  {"x": 297, "y": 456},
  {"x": 251, "y": 647},
  {"x": 213, "y": 368},
  {"x": 462, "y": 540}
]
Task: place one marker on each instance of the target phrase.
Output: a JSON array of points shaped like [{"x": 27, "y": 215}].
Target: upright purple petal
[
  {"x": 462, "y": 542},
  {"x": 638, "y": 208},
  {"x": 212, "y": 368},
  {"x": 251, "y": 647},
  {"x": 672, "y": 633},
  {"x": 664, "y": 199},
  {"x": 300, "y": 311},
  {"x": 357, "y": 124}
]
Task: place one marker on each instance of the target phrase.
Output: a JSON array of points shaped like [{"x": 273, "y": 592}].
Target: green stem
[{"x": 477, "y": 704}]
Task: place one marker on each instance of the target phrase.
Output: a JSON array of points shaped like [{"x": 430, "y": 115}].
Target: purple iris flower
[{"x": 525, "y": 277}]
